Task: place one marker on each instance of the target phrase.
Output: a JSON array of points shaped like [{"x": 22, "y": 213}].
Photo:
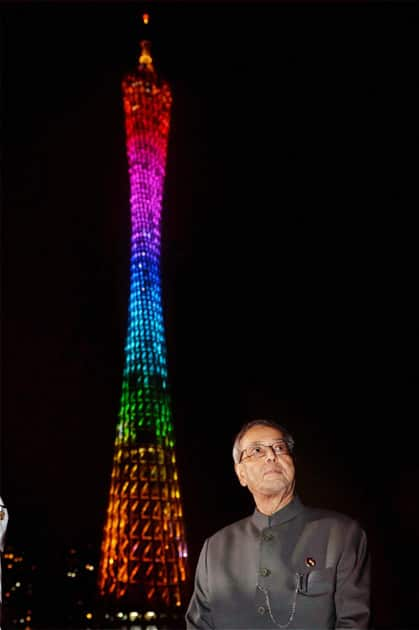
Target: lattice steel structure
[{"x": 144, "y": 554}]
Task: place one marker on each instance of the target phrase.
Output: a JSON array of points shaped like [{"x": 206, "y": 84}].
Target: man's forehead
[{"x": 260, "y": 432}]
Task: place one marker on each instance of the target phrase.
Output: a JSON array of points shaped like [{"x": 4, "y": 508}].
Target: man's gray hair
[{"x": 260, "y": 422}]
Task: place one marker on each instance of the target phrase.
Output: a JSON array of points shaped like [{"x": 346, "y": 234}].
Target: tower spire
[{"x": 145, "y": 59}]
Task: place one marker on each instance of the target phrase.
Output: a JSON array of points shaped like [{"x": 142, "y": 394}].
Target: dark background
[{"x": 287, "y": 261}]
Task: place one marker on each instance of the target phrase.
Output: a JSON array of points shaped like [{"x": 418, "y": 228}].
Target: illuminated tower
[{"x": 143, "y": 553}]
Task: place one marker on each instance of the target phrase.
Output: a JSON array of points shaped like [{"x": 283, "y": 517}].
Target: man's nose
[{"x": 270, "y": 452}]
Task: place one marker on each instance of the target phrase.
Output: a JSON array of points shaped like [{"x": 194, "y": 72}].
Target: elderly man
[{"x": 286, "y": 565}]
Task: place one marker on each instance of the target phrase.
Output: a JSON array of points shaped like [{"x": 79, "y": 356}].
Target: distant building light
[
  {"x": 89, "y": 567},
  {"x": 133, "y": 615},
  {"x": 150, "y": 615},
  {"x": 89, "y": 615}
]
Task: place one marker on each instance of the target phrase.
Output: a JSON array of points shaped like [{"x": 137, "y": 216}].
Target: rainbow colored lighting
[{"x": 144, "y": 553}]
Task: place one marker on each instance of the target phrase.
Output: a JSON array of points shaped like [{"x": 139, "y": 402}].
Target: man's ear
[{"x": 240, "y": 474}]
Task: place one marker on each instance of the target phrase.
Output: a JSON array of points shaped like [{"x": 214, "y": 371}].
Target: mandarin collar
[{"x": 286, "y": 513}]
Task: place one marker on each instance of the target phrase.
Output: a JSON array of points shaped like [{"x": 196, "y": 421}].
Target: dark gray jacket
[{"x": 300, "y": 568}]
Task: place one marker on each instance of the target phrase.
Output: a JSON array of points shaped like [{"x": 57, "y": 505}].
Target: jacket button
[
  {"x": 264, "y": 572},
  {"x": 268, "y": 536},
  {"x": 261, "y": 610}
]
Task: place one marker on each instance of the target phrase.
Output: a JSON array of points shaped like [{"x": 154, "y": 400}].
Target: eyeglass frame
[
  {"x": 288, "y": 443},
  {"x": 261, "y": 422}
]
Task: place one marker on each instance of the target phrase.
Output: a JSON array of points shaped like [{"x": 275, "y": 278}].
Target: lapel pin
[{"x": 310, "y": 562}]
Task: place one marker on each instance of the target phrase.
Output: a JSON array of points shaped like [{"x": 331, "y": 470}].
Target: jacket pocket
[{"x": 319, "y": 582}]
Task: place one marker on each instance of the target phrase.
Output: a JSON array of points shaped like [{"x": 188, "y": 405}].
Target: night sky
[{"x": 286, "y": 264}]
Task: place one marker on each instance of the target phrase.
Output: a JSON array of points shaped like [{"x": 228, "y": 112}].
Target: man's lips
[{"x": 272, "y": 471}]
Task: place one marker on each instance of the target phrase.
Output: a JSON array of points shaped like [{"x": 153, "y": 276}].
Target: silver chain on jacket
[{"x": 268, "y": 604}]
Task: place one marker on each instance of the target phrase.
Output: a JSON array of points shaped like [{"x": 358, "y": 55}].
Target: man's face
[{"x": 268, "y": 475}]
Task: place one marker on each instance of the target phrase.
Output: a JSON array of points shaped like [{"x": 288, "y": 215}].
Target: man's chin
[{"x": 273, "y": 486}]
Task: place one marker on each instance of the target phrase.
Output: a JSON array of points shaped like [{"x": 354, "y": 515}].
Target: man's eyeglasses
[{"x": 261, "y": 449}]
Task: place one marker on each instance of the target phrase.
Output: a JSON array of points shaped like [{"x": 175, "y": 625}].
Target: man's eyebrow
[{"x": 263, "y": 442}]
